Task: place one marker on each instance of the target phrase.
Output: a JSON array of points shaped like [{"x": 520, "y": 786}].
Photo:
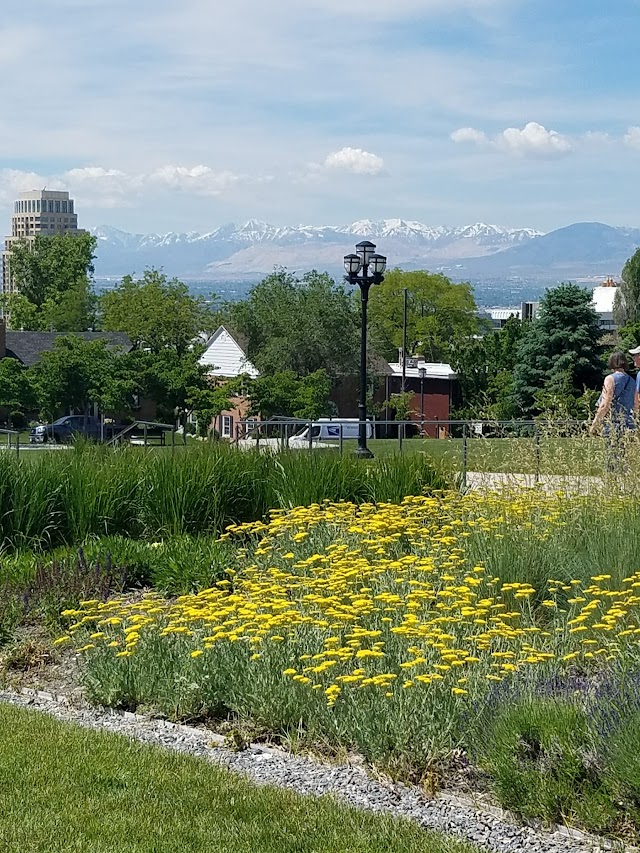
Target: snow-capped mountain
[{"x": 256, "y": 247}]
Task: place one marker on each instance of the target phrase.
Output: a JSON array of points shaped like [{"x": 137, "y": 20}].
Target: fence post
[
  {"x": 173, "y": 440},
  {"x": 144, "y": 427},
  {"x": 341, "y": 439},
  {"x": 17, "y": 445},
  {"x": 311, "y": 435},
  {"x": 537, "y": 446},
  {"x": 464, "y": 456}
]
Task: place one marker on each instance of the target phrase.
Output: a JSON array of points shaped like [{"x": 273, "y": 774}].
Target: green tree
[
  {"x": 285, "y": 393},
  {"x": 17, "y": 396},
  {"x": 439, "y": 312},
  {"x": 302, "y": 325},
  {"x": 485, "y": 366},
  {"x": 155, "y": 312},
  {"x": 560, "y": 353},
  {"x": 626, "y": 307},
  {"x": 74, "y": 375},
  {"x": 53, "y": 277}
]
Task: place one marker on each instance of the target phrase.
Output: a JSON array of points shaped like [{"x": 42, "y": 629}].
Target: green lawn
[
  {"x": 66, "y": 789},
  {"x": 574, "y": 455}
]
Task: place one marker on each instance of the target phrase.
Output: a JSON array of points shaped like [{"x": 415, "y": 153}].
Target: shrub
[{"x": 541, "y": 757}]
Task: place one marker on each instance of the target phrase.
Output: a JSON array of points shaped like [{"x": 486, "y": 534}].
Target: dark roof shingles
[{"x": 28, "y": 347}]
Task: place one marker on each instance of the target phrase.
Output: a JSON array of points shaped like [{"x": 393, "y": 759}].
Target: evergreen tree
[{"x": 560, "y": 353}]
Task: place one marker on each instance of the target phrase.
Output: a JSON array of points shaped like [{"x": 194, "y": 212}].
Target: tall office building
[{"x": 44, "y": 212}]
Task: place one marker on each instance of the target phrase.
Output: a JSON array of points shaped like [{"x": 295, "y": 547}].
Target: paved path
[{"x": 548, "y": 482}]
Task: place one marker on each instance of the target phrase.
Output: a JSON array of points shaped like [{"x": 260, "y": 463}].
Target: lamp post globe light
[{"x": 364, "y": 268}]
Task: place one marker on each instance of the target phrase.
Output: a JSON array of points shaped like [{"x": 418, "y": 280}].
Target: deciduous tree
[
  {"x": 284, "y": 393},
  {"x": 439, "y": 313},
  {"x": 626, "y": 308},
  {"x": 302, "y": 325},
  {"x": 17, "y": 396},
  {"x": 53, "y": 277},
  {"x": 155, "y": 312},
  {"x": 485, "y": 366}
]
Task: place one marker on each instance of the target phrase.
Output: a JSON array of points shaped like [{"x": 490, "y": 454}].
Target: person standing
[
  {"x": 617, "y": 404},
  {"x": 635, "y": 353}
]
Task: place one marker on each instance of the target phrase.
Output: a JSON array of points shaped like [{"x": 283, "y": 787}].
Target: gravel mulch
[{"x": 485, "y": 826}]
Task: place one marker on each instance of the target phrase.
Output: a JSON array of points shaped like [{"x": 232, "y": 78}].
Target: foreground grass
[{"x": 64, "y": 789}]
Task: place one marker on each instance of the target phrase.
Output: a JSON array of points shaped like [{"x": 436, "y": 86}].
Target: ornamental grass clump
[{"x": 64, "y": 498}]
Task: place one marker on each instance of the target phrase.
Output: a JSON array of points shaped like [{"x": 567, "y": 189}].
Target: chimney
[{"x": 3, "y": 337}]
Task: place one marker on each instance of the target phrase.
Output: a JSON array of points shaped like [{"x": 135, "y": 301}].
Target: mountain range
[{"x": 465, "y": 252}]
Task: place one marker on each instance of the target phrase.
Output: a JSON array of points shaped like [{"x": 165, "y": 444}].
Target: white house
[{"x": 225, "y": 357}]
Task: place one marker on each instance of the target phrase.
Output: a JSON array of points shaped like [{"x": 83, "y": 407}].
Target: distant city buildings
[
  {"x": 45, "y": 212},
  {"x": 603, "y": 301}
]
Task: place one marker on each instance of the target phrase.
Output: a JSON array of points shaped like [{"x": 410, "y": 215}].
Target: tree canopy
[
  {"x": 302, "y": 325},
  {"x": 560, "y": 354},
  {"x": 626, "y": 309},
  {"x": 155, "y": 312},
  {"x": 485, "y": 366},
  {"x": 53, "y": 276},
  {"x": 284, "y": 393},
  {"x": 439, "y": 312},
  {"x": 17, "y": 395}
]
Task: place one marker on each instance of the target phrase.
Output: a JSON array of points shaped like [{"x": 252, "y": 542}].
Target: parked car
[{"x": 67, "y": 428}]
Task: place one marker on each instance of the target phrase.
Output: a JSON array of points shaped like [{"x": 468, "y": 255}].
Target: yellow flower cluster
[{"x": 341, "y": 598}]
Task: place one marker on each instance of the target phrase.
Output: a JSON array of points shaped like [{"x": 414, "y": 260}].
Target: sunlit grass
[{"x": 63, "y": 789}]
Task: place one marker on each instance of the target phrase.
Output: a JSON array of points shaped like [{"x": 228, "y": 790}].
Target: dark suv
[{"x": 69, "y": 427}]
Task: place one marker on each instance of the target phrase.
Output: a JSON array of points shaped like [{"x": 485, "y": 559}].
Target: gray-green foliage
[{"x": 626, "y": 309}]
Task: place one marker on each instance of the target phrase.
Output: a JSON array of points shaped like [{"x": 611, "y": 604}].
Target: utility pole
[{"x": 403, "y": 382}]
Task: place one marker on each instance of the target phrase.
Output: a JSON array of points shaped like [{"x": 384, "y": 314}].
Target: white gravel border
[{"x": 489, "y": 827}]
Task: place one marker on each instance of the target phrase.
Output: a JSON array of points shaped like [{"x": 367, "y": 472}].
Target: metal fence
[{"x": 536, "y": 438}]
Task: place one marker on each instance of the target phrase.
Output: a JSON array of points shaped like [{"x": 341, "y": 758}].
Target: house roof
[
  {"x": 226, "y": 354},
  {"x": 435, "y": 370},
  {"x": 28, "y": 347}
]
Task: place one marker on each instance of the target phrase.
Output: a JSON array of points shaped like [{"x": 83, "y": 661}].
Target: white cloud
[
  {"x": 102, "y": 187},
  {"x": 200, "y": 180},
  {"x": 355, "y": 160},
  {"x": 470, "y": 134},
  {"x": 632, "y": 137},
  {"x": 533, "y": 140}
]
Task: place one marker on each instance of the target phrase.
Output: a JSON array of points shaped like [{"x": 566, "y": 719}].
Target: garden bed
[{"x": 485, "y": 637}]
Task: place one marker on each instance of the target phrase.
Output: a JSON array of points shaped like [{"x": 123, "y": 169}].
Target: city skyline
[{"x": 521, "y": 113}]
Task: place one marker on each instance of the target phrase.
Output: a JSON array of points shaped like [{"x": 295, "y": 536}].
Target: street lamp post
[
  {"x": 364, "y": 268},
  {"x": 422, "y": 372}
]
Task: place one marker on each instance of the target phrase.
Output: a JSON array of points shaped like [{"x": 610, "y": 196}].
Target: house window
[{"x": 227, "y": 426}]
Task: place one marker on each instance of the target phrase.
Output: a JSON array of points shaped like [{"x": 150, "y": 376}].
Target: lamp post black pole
[
  {"x": 364, "y": 268},
  {"x": 362, "y": 450}
]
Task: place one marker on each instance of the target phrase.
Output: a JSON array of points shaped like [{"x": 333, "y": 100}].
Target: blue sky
[{"x": 164, "y": 116}]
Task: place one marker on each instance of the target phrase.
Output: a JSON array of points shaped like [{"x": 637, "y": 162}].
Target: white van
[{"x": 329, "y": 429}]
